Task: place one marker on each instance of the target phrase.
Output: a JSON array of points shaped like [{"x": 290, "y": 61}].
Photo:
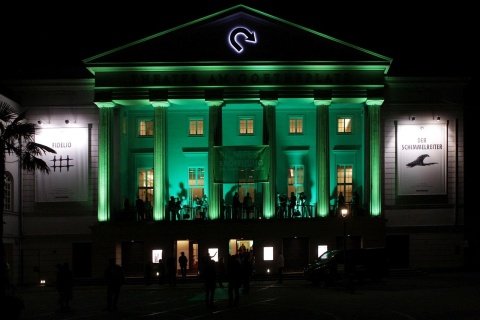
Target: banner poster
[
  {"x": 68, "y": 177},
  {"x": 422, "y": 159},
  {"x": 232, "y": 162}
]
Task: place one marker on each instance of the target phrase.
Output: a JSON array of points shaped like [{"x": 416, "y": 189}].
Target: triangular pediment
[{"x": 221, "y": 39}]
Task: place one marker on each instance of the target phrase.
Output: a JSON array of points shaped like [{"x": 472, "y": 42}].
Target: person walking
[
  {"x": 210, "y": 276},
  {"x": 183, "y": 260},
  {"x": 234, "y": 278},
  {"x": 280, "y": 266},
  {"x": 114, "y": 277}
]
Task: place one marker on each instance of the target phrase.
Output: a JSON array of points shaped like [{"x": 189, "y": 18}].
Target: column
[
  {"x": 159, "y": 159},
  {"x": 104, "y": 159},
  {"x": 373, "y": 104},
  {"x": 214, "y": 139},
  {"x": 322, "y": 103},
  {"x": 270, "y": 138}
]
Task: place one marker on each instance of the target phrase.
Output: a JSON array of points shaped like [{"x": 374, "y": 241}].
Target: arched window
[{"x": 8, "y": 192}]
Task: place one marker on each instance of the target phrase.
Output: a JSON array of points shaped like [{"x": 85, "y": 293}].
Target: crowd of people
[{"x": 293, "y": 206}]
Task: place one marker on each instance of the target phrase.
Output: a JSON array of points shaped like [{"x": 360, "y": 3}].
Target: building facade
[{"x": 224, "y": 106}]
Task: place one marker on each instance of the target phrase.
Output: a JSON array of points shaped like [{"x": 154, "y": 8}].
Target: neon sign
[{"x": 247, "y": 34}]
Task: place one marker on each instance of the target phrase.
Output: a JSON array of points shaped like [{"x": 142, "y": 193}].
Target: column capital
[
  {"x": 269, "y": 103},
  {"x": 374, "y": 102},
  {"x": 105, "y": 104},
  {"x": 214, "y": 103},
  {"x": 160, "y": 103},
  {"x": 321, "y": 102}
]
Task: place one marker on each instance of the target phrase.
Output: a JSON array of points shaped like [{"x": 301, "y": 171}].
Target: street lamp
[{"x": 344, "y": 212}]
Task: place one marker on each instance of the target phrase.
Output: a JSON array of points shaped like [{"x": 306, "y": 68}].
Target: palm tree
[{"x": 17, "y": 138}]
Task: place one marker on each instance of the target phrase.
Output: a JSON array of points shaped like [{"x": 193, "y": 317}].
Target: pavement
[{"x": 419, "y": 296}]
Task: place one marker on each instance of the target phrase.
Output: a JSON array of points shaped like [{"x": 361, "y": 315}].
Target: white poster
[
  {"x": 421, "y": 159},
  {"x": 68, "y": 177}
]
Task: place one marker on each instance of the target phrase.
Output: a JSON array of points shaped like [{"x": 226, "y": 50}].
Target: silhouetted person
[
  {"x": 234, "y": 277},
  {"x": 140, "y": 206},
  {"x": 341, "y": 201},
  {"x": 183, "y": 260},
  {"x": 292, "y": 204},
  {"x": 171, "y": 208},
  {"x": 114, "y": 278},
  {"x": 210, "y": 277},
  {"x": 236, "y": 206},
  {"x": 148, "y": 209},
  {"x": 247, "y": 205}
]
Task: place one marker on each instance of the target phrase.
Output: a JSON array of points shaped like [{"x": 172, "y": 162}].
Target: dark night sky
[
  {"x": 437, "y": 41},
  {"x": 422, "y": 40}
]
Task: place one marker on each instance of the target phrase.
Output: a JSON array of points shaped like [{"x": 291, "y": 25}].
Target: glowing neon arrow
[{"x": 249, "y": 37}]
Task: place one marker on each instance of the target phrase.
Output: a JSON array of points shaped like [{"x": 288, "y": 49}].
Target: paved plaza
[{"x": 434, "y": 296}]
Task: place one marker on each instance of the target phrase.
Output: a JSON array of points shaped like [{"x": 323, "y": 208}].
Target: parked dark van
[{"x": 362, "y": 264}]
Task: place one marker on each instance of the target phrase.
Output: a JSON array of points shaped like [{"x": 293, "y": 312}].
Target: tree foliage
[{"x": 17, "y": 138}]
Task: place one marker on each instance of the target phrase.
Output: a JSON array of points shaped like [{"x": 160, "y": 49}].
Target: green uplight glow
[
  {"x": 104, "y": 141},
  {"x": 375, "y": 178},
  {"x": 160, "y": 107}
]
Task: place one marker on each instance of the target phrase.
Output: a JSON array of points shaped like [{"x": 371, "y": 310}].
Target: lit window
[
  {"x": 344, "y": 125},
  {"x": 145, "y": 128},
  {"x": 196, "y": 127},
  {"x": 196, "y": 184},
  {"x": 246, "y": 126},
  {"x": 268, "y": 253},
  {"x": 145, "y": 185},
  {"x": 345, "y": 181},
  {"x": 296, "y": 125},
  {"x": 296, "y": 179},
  {"x": 7, "y": 204}
]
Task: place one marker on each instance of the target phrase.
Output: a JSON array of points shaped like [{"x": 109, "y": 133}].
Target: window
[
  {"x": 196, "y": 184},
  {"x": 196, "y": 127},
  {"x": 296, "y": 180},
  {"x": 145, "y": 184},
  {"x": 344, "y": 125},
  {"x": 145, "y": 128},
  {"x": 296, "y": 125},
  {"x": 345, "y": 181},
  {"x": 246, "y": 126},
  {"x": 246, "y": 183},
  {"x": 8, "y": 190}
]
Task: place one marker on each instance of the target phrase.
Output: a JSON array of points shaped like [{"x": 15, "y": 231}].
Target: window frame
[
  {"x": 345, "y": 126},
  {"x": 147, "y": 130},
  {"x": 247, "y": 119},
  {"x": 148, "y": 189},
  {"x": 296, "y": 119},
  {"x": 197, "y": 120},
  {"x": 293, "y": 183},
  {"x": 345, "y": 186}
]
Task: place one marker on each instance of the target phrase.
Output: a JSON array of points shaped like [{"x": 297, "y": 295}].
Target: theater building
[{"x": 237, "y": 102}]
